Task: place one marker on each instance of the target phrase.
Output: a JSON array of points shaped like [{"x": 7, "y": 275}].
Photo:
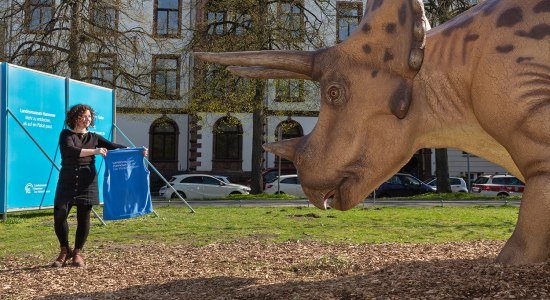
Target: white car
[
  {"x": 498, "y": 185},
  {"x": 289, "y": 184},
  {"x": 201, "y": 186},
  {"x": 457, "y": 184}
]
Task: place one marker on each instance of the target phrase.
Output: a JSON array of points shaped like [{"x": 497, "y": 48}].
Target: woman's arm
[{"x": 104, "y": 143}]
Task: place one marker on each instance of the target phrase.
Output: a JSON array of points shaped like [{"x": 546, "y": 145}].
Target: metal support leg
[{"x": 97, "y": 216}]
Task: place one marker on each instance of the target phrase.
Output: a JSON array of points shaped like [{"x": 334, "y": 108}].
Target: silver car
[
  {"x": 289, "y": 184},
  {"x": 458, "y": 185},
  {"x": 201, "y": 186}
]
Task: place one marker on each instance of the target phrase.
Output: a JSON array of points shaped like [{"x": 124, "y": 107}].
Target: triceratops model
[{"x": 480, "y": 82}]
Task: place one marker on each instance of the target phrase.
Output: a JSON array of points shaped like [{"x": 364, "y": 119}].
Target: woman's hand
[
  {"x": 145, "y": 152},
  {"x": 100, "y": 151}
]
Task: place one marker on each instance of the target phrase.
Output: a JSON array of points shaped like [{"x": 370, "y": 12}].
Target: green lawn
[{"x": 32, "y": 232}]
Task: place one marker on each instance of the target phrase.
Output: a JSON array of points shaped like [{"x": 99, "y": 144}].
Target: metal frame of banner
[
  {"x": 3, "y": 143},
  {"x": 156, "y": 171}
]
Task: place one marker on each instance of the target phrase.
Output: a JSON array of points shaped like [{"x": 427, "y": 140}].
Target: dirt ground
[{"x": 294, "y": 270}]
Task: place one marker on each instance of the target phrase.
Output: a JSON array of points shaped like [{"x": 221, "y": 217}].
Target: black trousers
[{"x": 60, "y": 214}]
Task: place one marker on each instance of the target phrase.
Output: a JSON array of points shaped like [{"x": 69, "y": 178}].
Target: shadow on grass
[{"x": 445, "y": 279}]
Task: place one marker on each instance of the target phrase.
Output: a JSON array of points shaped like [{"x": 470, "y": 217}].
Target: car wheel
[
  {"x": 502, "y": 195},
  {"x": 174, "y": 195},
  {"x": 279, "y": 193}
]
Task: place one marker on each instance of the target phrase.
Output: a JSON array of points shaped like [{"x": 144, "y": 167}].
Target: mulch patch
[{"x": 292, "y": 270}]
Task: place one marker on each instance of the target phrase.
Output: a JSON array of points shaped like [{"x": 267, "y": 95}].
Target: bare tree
[
  {"x": 231, "y": 25},
  {"x": 98, "y": 41}
]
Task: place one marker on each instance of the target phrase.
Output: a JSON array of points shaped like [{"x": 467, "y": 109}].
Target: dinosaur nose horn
[{"x": 285, "y": 148}]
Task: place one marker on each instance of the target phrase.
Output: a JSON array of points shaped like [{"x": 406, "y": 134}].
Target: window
[
  {"x": 100, "y": 69},
  {"x": 292, "y": 18},
  {"x": 291, "y": 180},
  {"x": 210, "y": 180},
  {"x": 40, "y": 60},
  {"x": 167, "y": 18},
  {"x": 192, "y": 179},
  {"x": 241, "y": 23},
  {"x": 166, "y": 77},
  {"x": 228, "y": 139},
  {"x": 163, "y": 140},
  {"x": 289, "y": 90},
  {"x": 290, "y": 129},
  {"x": 38, "y": 13},
  {"x": 348, "y": 16},
  {"x": 104, "y": 16},
  {"x": 216, "y": 22}
]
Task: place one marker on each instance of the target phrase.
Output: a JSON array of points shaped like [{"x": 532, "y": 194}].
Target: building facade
[{"x": 160, "y": 115}]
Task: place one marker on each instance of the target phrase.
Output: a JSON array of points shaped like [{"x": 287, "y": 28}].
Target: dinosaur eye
[{"x": 334, "y": 95}]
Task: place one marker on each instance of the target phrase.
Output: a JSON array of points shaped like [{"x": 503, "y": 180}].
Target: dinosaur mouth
[{"x": 328, "y": 199}]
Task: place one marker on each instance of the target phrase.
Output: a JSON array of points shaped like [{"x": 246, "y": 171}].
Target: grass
[{"x": 32, "y": 232}]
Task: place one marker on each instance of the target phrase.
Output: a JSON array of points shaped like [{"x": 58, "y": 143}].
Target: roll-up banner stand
[{"x": 33, "y": 111}]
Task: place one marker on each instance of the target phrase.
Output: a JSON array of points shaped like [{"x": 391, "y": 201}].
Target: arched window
[
  {"x": 228, "y": 141},
  {"x": 163, "y": 140},
  {"x": 290, "y": 129}
]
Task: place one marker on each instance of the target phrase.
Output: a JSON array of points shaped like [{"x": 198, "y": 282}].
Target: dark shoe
[
  {"x": 64, "y": 255},
  {"x": 78, "y": 261}
]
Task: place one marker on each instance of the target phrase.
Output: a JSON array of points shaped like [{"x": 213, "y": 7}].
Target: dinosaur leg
[{"x": 530, "y": 242}]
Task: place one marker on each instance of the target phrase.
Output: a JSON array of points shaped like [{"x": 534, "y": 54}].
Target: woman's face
[{"x": 84, "y": 120}]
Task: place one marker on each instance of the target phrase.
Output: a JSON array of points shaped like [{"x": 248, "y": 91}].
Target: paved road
[{"x": 367, "y": 203}]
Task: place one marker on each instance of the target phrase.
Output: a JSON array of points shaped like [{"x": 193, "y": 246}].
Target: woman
[{"x": 77, "y": 185}]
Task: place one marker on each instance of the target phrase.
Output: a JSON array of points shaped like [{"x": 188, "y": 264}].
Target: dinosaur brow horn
[{"x": 294, "y": 61}]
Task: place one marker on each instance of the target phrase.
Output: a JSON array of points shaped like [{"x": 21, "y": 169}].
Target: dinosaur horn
[{"x": 300, "y": 62}]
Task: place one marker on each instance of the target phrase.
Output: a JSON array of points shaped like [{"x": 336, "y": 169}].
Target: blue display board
[{"x": 32, "y": 116}]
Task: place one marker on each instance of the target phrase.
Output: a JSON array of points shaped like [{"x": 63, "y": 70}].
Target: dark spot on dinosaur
[
  {"x": 366, "y": 28},
  {"x": 468, "y": 38},
  {"x": 390, "y": 28},
  {"x": 376, "y": 4},
  {"x": 457, "y": 23},
  {"x": 374, "y": 73},
  {"x": 471, "y": 37},
  {"x": 510, "y": 17},
  {"x": 402, "y": 14},
  {"x": 538, "y": 32},
  {"x": 489, "y": 7},
  {"x": 388, "y": 55},
  {"x": 543, "y": 6},
  {"x": 400, "y": 100},
  {"x": 521, "y": 59},
  {"x": 367, "y": 49},
  {"x": 505, "y": 48}
]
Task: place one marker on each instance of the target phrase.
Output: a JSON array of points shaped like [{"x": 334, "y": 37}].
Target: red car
[{"x": 498, "y": 185}]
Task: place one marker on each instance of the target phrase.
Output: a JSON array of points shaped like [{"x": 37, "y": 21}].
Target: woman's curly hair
[{"x": 75, "y": 112}]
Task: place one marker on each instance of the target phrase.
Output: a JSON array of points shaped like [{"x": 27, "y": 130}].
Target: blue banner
[
  {"x": 36, "y": 101},
  {"x": 33, "y": 106},
  {"x": 126, "y": 185}
]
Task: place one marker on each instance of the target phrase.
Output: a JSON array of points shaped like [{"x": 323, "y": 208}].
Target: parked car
[
  {"x": 199, "y": 186},
  {"x": 225, "y": 179},
  {"x": 270, "y": 174},
  {"x": 289, "y": 184},
  {"x": 401, "y": 185},
  {"x": 498, "y": 185},
  {"x": 458, "y": 185}
]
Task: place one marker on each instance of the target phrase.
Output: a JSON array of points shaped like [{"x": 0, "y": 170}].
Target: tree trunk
[
  {"x": 75, "y": 40},
  {"x": 442, "y": 171},
  {"x": 258, "y": 121}
]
